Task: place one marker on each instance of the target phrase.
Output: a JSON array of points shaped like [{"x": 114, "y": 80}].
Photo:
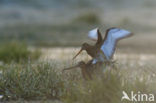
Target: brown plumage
[
  {"x": 104, "y": 49},
  {"x": 91, "y": 50},
  {"x": 87, "y": 69}
]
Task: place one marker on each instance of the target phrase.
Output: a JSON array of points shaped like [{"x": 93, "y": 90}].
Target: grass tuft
[
  {"x": 107, "y": 89},
  {"x": 31, "y": 81},
  {"x": 89, "y": 18},
  {"x": 17, "y": 52},
  {"x": 43, "y": 81}
]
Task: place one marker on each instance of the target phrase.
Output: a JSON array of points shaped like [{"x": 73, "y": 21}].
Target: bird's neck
[{"x": 89, "y": 47}]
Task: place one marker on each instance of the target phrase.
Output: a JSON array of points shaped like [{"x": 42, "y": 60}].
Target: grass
[
  {"x": 44, "y": 81},
  {"x": 31, "y": 81},
  {"x": 89, "y": 18},
  {"x": 75, "y": 33},
  {"x": 17, "y": 52},
  {"x": 102, "y": 90},
  {"x": 107, "y": 89}
]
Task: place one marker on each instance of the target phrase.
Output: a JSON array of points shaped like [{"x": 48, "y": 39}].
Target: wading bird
[
  {"x": 101, "y": 52},
  {"x": 92, "y": 50},
  {"x": 104, "y": 49},
  {"x": 87, "y": 69}
]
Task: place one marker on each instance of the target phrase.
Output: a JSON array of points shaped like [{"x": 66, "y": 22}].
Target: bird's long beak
[
  {"x": 77, "y": 54},
  {"x": 73, "y": 67}
]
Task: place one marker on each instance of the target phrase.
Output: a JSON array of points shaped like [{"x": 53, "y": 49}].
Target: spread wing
[
  {"x": 95, "y": 35},
  {"x": 110, "y": 40}
]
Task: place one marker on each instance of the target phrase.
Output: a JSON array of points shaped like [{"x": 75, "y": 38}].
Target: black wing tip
[
  {"x": 98, "y": 31},
  {"x": 99, "y": 37},
  {"x": 131, "y": 34},
  {"x": 106, "y": 33},
  {"x": 111, "y": 28}
]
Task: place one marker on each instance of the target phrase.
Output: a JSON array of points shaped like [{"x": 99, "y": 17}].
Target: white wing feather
[
  {"x": 113, "y": 36},
  {"x": 93, "y": 34},
  {"x": 100, "y": 58}
]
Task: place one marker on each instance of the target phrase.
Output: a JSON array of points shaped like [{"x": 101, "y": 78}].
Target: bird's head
[{"x": 83, "y": 47}]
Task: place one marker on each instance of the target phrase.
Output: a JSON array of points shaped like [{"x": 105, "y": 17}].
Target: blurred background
[{"x": 65, "y": 23}]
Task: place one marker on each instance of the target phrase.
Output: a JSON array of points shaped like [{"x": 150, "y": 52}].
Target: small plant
[
  {"x": 90, "y": 18},
  {"x": 31, "y": 81},
  {"x": 17, "y": 52}
]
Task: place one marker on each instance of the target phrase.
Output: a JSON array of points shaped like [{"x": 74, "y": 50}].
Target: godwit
[
  {"x": 87, "y": 69},
  {"x": 92, "y": 49},
  {"x": 104, "y": 49},
  {"x": 101, "y": 52}
]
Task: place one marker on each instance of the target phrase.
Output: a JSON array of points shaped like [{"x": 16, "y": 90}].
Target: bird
[
  {"x": 87, "y": 69},
  {"x": 104, "y": 49},
  {"x": 101, "y": 52},
  {"x": 92, "y": 49}
]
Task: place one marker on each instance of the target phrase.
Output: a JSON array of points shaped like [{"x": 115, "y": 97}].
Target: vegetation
[
  {"x": 43, "y": 81},
  {"x": 107, "y": 89},
  {"x": 30, "y": 81},
  {"x": 89, "y": 18},
  {"x": 17, "y": 52}
]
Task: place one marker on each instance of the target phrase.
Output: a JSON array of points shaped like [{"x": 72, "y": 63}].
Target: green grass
[
  {"x": 89, "y": 18},
  {"x": 43, "y": 81},
  {"x": 31, "y": 81},
  {"x": 107, "y": 89},
  {"x": 74, "y": 33},
  {"x": 17, "y": 52}
]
